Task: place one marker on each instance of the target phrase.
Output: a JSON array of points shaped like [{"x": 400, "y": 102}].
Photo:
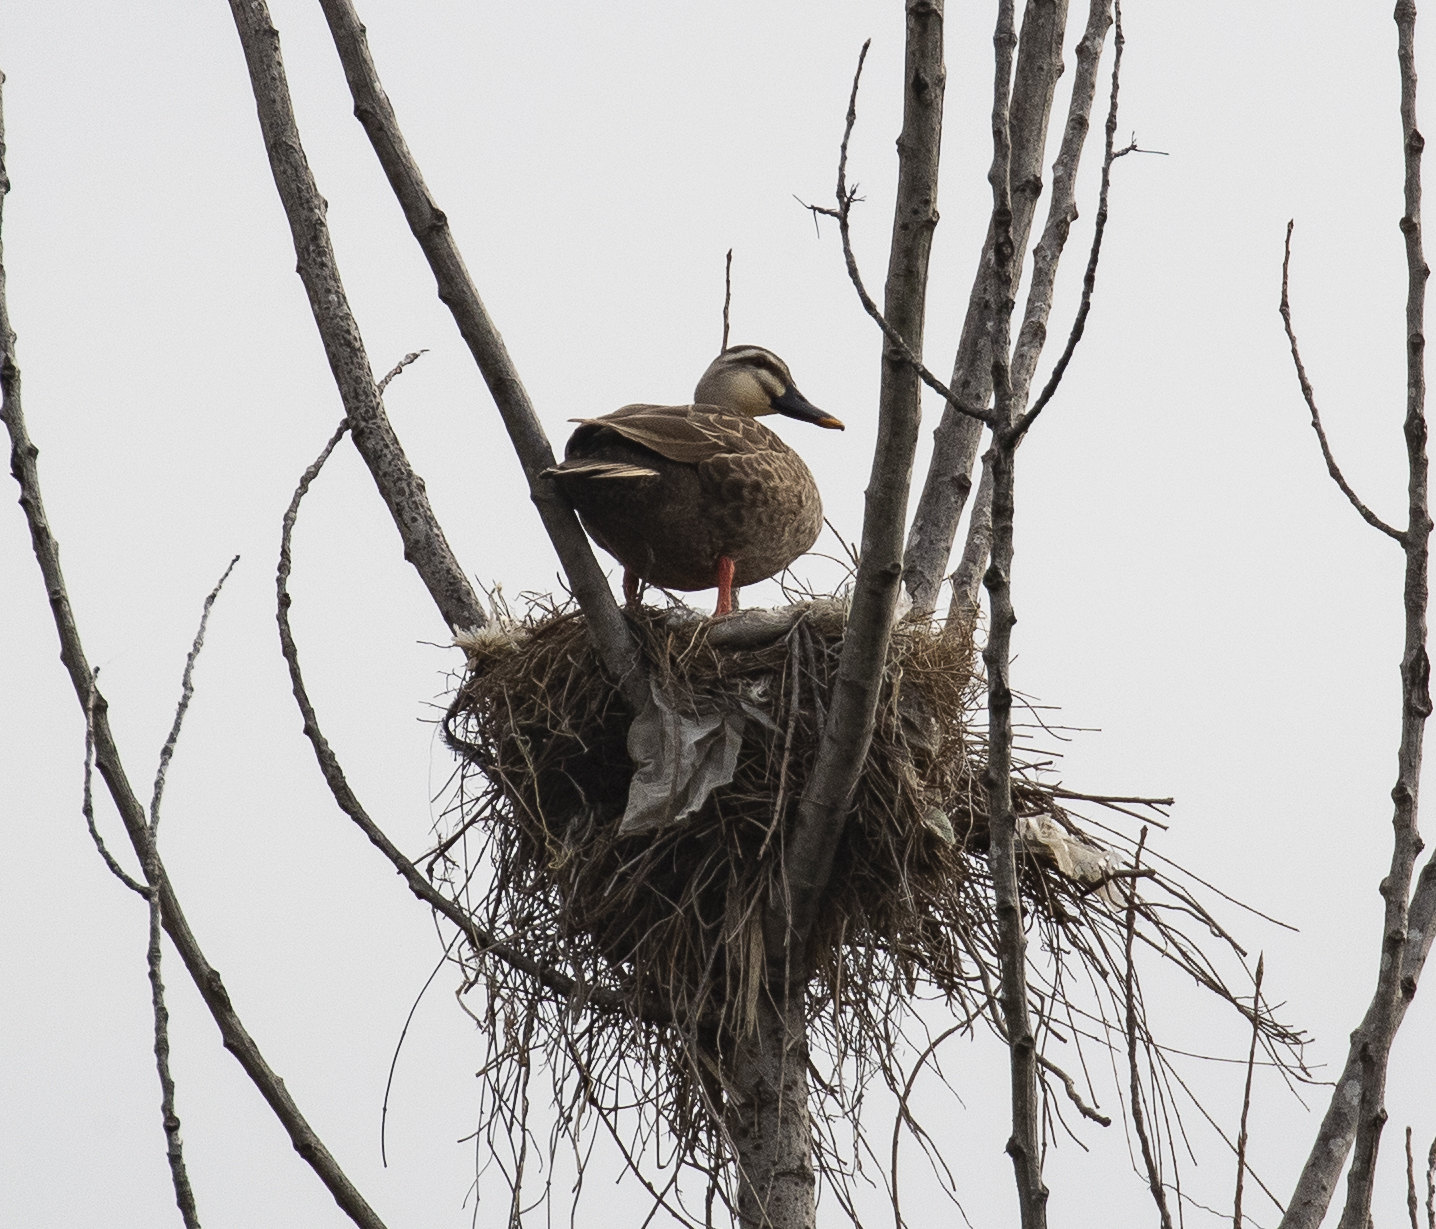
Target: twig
[
  {"x": 1139, "y": 1122},
  {"x": 132, "y": 812},
  {"x": 727, "y": 296},
  {"x": 412, "y": 357},
  {"x": 1309, "y": 394},
  {"x": 186, "y": 695},
  {"x": 846, "y": 198},
  {"x": 1431, "y": 1187},
  {"x": 1412, "y": 1204},
  {"x": 329, "y": 766},
  {"x": 611, "y": 635},
  {"x": 1247, "y": 1095},
  {"x": 87, "y": 800},
  {"x": 174, "y": 1145}
]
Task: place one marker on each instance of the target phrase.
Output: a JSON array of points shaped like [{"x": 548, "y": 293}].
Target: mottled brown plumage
[{"x": 672, "y": 491}]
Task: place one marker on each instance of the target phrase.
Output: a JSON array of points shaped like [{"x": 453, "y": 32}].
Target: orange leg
[
  {"x": 725, "y": 586},
  {"x": 630, "y": 589}
]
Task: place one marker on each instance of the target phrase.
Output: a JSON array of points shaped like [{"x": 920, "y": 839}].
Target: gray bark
[
  {"x": 844, "y": 746},
  {"x": 402, "y": 490},
  {"x": 955, "y": 442},
  {"x": 1355, "y": 1117},
  {"x": 767, "y": 1120},
  {"x": 458, "y": 293}
]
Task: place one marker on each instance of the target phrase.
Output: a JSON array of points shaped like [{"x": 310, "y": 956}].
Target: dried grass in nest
[{"x": 661, "y": 931}]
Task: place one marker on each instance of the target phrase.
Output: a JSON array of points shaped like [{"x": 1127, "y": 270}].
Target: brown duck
[{"x": 692, "y": 496}]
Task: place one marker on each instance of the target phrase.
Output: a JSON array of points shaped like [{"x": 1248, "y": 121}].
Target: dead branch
[
  {"x": 430, "y": 226},
  {"x": 823, "y": 808},
  {"x": 955, "y": 442},
  {"x": 399, "y": 486},
  {"x": 23, "y": 454},
  {"x": 1309, "y": 394},
  {"x": 1353, "y": 1124},
  {"x": 964, "y": 607}
]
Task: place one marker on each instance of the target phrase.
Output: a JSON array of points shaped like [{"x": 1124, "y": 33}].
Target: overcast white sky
[{"x": 1187, "y": 579}]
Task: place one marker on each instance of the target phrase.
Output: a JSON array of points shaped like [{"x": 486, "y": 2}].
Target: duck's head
[{"x": 754, "y": 381}]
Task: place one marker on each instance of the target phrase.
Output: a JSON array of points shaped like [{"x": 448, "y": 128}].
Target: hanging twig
[
  {"x": 1247, "y": 1095},
  {"x": 1413, "y": 1205},
  {"x": 348, "y": 802},
  {"x": 132, "y": 813},
  {"x": 1309, "y": 394}
]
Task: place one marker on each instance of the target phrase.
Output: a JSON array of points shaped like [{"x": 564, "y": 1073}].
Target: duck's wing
[{"x": 688, "y": 434}]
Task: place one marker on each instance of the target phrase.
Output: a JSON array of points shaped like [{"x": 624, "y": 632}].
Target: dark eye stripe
[{"x": 765, "y": 360}]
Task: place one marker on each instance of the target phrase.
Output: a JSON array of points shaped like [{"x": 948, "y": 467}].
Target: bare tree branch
[
  {"x": 1309, "y": 393},
  {"x": 1089, "y": 52},
  {"x": 964, "y": 606},
  {"x": 955, "y": 442},
  {"x": 823, "y": 808},
  {"x": 1247, "y": 1095},
  {"x": 237, "y": 1040},
  {"x": 1354, "y": 1118},
  {"x": 611, "y": 635},
  {"x": 400, "y": 487}
]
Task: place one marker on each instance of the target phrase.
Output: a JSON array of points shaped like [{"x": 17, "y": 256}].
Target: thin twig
[
  {"x": 87, "y": 800},
  {"x": 132, "y": 812},
  {"x": 1247, "y": 1095},
  {"x": 1139, "y": 1122},
  {"x": 174, "y": 1144},
  {"x": 727, "y": 296},
  {"x": 1431, "y": 1187},
  {"x": 1413, "y": 1205},
  {"x": 1310, "y": 395},
  {"x": 846, "y": 198},
  {"x": 186, "y": 695},
  {"x": 412, "y": 357},
  {"x": 348, "y": 802}
]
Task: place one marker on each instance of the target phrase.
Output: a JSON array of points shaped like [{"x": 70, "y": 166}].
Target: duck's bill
[{"x": 795, "y": 405}]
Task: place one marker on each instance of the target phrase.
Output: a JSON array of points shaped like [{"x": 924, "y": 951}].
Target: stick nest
[{"x": 659, "y": 935}]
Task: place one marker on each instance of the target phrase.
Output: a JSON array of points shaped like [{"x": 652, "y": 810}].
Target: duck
[{"x": 699, "y": 496}]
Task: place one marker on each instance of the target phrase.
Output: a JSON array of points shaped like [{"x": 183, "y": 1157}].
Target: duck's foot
[{"x": 725, "y": 587}]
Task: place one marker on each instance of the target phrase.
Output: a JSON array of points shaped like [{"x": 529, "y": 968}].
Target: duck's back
[{"x": 667, "y": 490}]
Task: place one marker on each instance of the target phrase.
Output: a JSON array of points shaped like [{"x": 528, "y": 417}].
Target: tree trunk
[{"x": 768, "y": 1122}]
